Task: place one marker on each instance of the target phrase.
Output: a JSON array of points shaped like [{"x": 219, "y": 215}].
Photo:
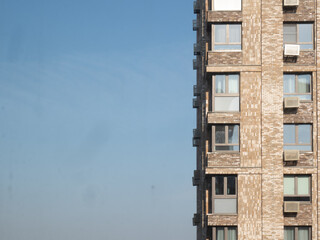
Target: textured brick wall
[
  {"x": 304, "y": 12},
  {"x": 223, "y": 159},
  {"x": 259, "y": 165},
  {"x": 225, "y": 58},
  {"x": 250, "y": 127},
  {"x": 272, "y": 120},
  {"x": 224, "y": 17},
  {"x": 249, "y": 207}
]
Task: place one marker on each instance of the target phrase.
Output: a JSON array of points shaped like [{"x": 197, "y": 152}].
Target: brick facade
[{"x": 259, "y": 164}]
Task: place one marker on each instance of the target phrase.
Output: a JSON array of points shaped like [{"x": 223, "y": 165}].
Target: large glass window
[
  {"x": 298, "y": 33},
  {"x": 224, "y": 233},
  {"x": 297, "y": 85},
  {"x": 297, "y": 137},
  {"x": 297, "y": 233},
  {"x": 224, "y": 194},
  {"x": 296, "y": 187},
  {"x": 225, "y": 138},
  {"x": 225, "y": 92},
  {"x": 226, "y": 5},
  {"x": 226, "y": 36}
]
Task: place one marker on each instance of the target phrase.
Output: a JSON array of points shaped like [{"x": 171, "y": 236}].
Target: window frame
[
  {"x": 296, "y": 231},
  {"x": 296, "y": 195},
  {"x": 297, "y": 35},
  {"x": 225, "y": 228},
  {"x": 227, "y": 38},
  {"x": 297, "y": 137},
  {"x": 296, "y": 76},
  {"x": 214, "y": 94},
  {"x": 224, "y": 195},
  {"x": 213, "y": 138}
]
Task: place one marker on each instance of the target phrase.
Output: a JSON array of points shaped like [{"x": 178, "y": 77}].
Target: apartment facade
[{"x": 257, "y": 135}]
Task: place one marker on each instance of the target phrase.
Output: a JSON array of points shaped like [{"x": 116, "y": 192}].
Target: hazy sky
[{"x": 96, "y": 120}]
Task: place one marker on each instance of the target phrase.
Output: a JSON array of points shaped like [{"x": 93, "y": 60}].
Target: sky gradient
[{"x": 96, "y": 120}]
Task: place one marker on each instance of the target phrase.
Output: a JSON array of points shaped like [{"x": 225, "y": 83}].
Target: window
[
  {"x": 301, "y": 34},
  {"x": 225, "y": 138},
  {"x": 296, "y": 188},
  {"x": 226, "y": 36},
  {"x": 224, "y": 233},
  {"x": 297, "y": 85},
  {"x": 297, "y": 137},
  {"x": 297, "y": 233},
  {"x": 225, "y": 89},
  {"x": 224, "y": 194},
  {"x": 226, "y": 5}
]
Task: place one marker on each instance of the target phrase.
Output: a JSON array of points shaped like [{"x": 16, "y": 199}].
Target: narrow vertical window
[{"x": 224, "y": 194}]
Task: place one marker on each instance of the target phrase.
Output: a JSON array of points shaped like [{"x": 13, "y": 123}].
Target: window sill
[
  {"x": 226, "y": 112},
  {"x": 222, "y": 214},
  {"x": 212, "y": 10},
  {"x": 225, "y": 152},
  {"x": 226, "y": 50}
]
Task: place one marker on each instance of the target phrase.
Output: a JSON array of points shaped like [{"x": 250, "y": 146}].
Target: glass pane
[
  {"x": 234, "y": 83},
  {"x": 220, "y": 86},
  {"x": 298, "y": 147},
  {"x": 289, "y": 83},
  {"x": 289, "y": 133},
  {"x": 234, "y": 33},
  {"x": 220, "y": 33},
  {"x": 219, "y": 183},
  {"x": 232, "y": 233},
  {"x": 220, "y": 233},
  {"x": 227, "y": 148},
  {"x": 306, "y": 46},
  {"x": 304, "y": 82},
  {"x": 288, "y": 185},
  {"x": 289, "y": 33},
  {"x": 305, "y": 33},
  {"x": 231, "y": 185},
  {"x": 303, "y": 233},
  {"x": 233, "y": 134},
  {"x": 227, "y": 5},
  {"x": 227, "y": 47},
  {"x": 304, "y": 133},
  {"x": 303, "y": 185},
  {"x": 302, "y": 97},
  {"x": 289, "y": 233},
  {"x": 226, "y": 104},
  {"x": 220, "y": 134},
  {"x": 225, "y": 205}
]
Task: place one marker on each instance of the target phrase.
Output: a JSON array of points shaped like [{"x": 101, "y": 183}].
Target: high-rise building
[{"x": 257, "y": 135}]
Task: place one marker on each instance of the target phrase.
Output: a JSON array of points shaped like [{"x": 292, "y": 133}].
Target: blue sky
[{"x": 96, "y": 120}]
